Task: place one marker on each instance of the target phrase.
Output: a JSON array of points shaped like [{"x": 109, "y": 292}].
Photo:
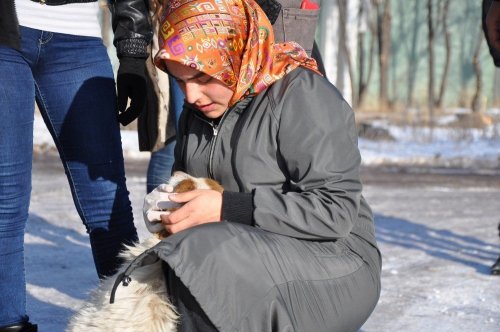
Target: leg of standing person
[
  {"x": 17, "y": 104},
  {"x": 495, "y": 269},
  {"x": 495, "y": 54},
  {"x": 160, "y": 166},
  {"x": 75, "y": 92},
  {"x": 161, "y": 162}
]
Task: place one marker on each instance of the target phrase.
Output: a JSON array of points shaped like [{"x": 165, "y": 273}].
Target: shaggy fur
[{"x": 143, "y": 305}]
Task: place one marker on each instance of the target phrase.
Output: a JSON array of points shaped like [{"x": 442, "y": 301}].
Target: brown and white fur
[{"x": 143, "y": 305}]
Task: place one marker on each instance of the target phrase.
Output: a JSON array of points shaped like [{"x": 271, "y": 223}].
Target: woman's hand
[{"x": 201, "y": 206}]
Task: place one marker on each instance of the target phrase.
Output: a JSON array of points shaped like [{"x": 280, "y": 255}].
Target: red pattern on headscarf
[{"x": 230, "y": 40}]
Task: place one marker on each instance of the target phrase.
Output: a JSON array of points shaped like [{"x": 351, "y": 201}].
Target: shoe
[
  {"x": 20, "y": 327},
  {"x": 495, "y": 269}
]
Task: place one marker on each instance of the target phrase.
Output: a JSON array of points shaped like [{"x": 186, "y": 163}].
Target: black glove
[{"x": 131, "y": 83}]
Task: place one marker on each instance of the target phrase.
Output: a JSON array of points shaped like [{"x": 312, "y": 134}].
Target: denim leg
[
  {"x": 176, "y": 99},
  {"x": 161, "y": 162},
  {"x": 75, "y": 91},
  {"x": 17, "y": 95},
  {"x": 160, "y": 166}
]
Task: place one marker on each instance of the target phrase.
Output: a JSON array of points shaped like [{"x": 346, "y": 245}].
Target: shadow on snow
[{"x": 440, "y": 243}]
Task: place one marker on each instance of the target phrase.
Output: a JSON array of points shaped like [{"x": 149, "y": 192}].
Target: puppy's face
[{"x": 181, "y": 183}]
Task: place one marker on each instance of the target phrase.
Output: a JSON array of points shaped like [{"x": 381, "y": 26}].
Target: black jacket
[{"x": 132, "y": 27}]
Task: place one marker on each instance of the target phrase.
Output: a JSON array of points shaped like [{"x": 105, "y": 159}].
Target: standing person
[
  {"x": 290, "y": 243},
  {"x": 155, "y": 99},
  {"x": 491, "y": 27},
  {"x": 55, "y": 55}
]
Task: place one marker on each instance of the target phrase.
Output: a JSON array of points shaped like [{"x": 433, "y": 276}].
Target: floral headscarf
[{"x": 230, "y": 40}]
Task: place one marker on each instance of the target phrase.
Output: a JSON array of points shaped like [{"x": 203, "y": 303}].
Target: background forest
[{"x": 413, "y": 57}]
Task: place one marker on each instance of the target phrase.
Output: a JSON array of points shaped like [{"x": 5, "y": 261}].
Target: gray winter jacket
[
  {"x": 308, "y": 260},
  {"x": 294, "y": 147}
]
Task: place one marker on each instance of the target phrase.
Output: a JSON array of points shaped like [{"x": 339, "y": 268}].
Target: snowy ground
[
  {"x": 436, "y": 230},
  {"x": 438, "y": 238}
]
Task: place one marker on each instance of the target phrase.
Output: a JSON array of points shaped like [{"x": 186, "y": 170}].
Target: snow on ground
[
  {"x": 472, "y": 149},
  {"x": 475, "y": 149},
  {"x": 438, "y": 240}
]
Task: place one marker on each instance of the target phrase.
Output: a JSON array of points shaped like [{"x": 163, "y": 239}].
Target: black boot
[
  {"x": 495, "y": 269},
  {"x": 24, "y": 326}
]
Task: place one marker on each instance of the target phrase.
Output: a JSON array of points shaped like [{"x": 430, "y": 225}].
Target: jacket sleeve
[
  {"x": 317, "y": 147},
  {"x": 131, "y": 27}
]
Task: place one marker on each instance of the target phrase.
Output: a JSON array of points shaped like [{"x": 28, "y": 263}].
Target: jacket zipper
[
  {"x": 213, "y": 140},
  {"x": 212, "y": 149}
]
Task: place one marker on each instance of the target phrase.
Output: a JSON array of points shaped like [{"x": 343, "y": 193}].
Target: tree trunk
[
  {"x": 476, "y": 100},
  {"x": 413, "y": 59},
  {"x": 465, "y": 55},
  {"x": 344, "y": 49},
  {"x": 430, "y": 46},
  {"x": 447, "y": 42},
  {"x": 384, "y": 42},
  {"x": 363, "y": 82}
]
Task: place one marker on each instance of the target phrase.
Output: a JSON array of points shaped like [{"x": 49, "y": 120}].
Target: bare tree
[
  {"x": 435, "y": 34},
  {"x": 365, "y": 78},
  {"x": 434, "y": 22},
  {"x": 413, "y": 52},
  {"x": 466, "y": 52},
  {"x": 413, "y": 57},
  {"x": 447, "y": 43},
  {"x": 476, "y": 100},
  {"x": 430, "y": 48},
  {"x": 344, "y": 49},
  {"x": 384, "y": 19}
]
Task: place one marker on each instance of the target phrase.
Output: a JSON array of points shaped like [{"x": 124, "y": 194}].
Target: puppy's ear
[{"x": 185, "y": 185}]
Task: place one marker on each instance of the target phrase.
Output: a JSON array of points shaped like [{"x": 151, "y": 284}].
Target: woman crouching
[{"x": 289, "y": 245}]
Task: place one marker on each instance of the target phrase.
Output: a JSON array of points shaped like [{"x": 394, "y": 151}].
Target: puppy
[{"x": 143, "y": 305}]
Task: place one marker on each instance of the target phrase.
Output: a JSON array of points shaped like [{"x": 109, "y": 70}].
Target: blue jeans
[
  {"x": 72, "y": 81},
  {"x": 161, "y": 162}
]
